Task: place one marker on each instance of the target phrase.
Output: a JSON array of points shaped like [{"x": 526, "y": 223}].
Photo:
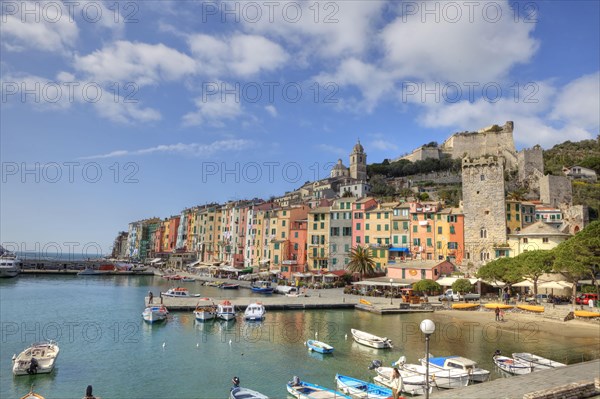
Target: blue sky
[{"x": 117, "y": 111}]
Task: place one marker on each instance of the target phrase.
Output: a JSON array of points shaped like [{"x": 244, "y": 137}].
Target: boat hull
[
  {"x": 306, "y": 390},
  {"x": 447, "y": 379},
  {"x": 512, "y": 366},
  {"x": 155, "y": 314},
  {"x": 371, "y": 340},
  {"x": 45, "y": 355},
  {"x": 8, "y": 272},
  {"x": 361, "y": 389},
  {"x": 537, "y": 362},
  {"x": 413, "y": 384},
  {"x": 244, "y": 393},
  {"x": 204, "y": 315},
  {"x": 318, "y": 346}
]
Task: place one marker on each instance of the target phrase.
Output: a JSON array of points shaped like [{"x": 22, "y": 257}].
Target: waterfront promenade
[{"x": 520, "y": 385}]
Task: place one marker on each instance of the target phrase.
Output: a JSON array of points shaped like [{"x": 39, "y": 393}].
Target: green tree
[
  {"x": 501, "y": 270},
  {"x": 533, "y": 264},
  {"x": 427, "y": 286},
  {"x": 361, "y": 261},
  {"x": 578, "y": 258},
  {"x": 462, "y": 285}
]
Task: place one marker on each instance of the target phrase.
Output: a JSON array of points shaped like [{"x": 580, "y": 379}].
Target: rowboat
[
  {"x": 586, "y": 313},
  {"x": 537, "y": 362},
  {"x": 229, "y": 286},
  {"x": 306, "y": 390},
  {"x": 245, "y": 393},
  {"x": 443, "y": 378},
  {"x": 371, "y": 340},
  {"x": 497, "y": 305},
  {"x": 318, "y": 346},
  {"x": 512, "y": 366},
  {"x": 188, "y": 279},
  {"x": 155, "y": 313},
  {"x": 531, "y": 308},
  {"x": 414, "y": 384},
  {"x": 361, "y": 389},
  {"x": 32, "y": 395},
  {"x": 465, "y": 305}
]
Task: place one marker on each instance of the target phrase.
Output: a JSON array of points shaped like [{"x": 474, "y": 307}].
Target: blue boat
[
  {"x": 319, "y": 346},
  {"x": 262, "y": 287},
  {"x": 306, "y": 390},
  {"x": 361, "y": 389}
]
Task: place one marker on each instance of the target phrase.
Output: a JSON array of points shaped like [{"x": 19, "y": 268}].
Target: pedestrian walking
[
  {"x": 150, "y": 296},
  {"x": 502, "y": 315},
  {"x": 497, "y": 311},
  {"x": 396, "y": 383}
]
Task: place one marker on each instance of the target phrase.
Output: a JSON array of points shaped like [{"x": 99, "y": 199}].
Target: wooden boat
[
  {"x": 318, "y": 346},
  {"x": 155, "y": 313},
  {"x": 361, "y": 389},
  {"x": 205, "y": 310},
  {"x": 512, "y": 366},
  {"x": 465, "y": 305},
  {"x": 537, "y": 362},
  {"x": 443, "y": 378},
  {"x": 245, "y": 393},
  {"x": 32, "y": 395},
  {"x": 586, "y": 313},
  {"x": 497, "y": 305},
  {"x": 225, "y": 311},
  {"x": 188, "y": 279},
  {"x": 531, "y": 308},
  {"x": 229, "y": 286},
  {"x": 457, "y": 363},
  {"x": 255, "y": 312},
  {"x": 262, "y": 287},
  {"x": 371, "y": 340},
  {"x": 306, "y": 390},
  {"x": 39, "y": 358},
  {"x": 414, "y": 384}
]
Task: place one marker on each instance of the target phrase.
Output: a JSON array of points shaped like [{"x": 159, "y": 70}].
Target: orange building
[{"x": 422, "y": 229}]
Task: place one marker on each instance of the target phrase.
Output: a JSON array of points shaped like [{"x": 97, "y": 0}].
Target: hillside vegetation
[{"x": 584, "y": 153}]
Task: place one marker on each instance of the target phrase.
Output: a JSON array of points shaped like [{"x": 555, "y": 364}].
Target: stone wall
[
  {"x": 421, "y": 154},
  {"x": 531, "y": 167},
  {"x": 556, "y": 190},
  {"x": 575, "y": 218},
  {"x": 484, "y": 207},
  {"x": 580, "y": 389}
]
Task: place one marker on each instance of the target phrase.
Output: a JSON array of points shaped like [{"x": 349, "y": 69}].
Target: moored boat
[
  {"x": 511, "y": 366},
  {"x": 229, "y": 286},
  {"x": 463, "y": 306},
  {"x": 37, "y": 359},
  {"x": 586, "y": 313},
  {"x": 412, "y": 383},
  {"x": 306, "y": 390},
  {"x": 245, "y": 393},
  {"x": 371, "y": 340},
  {"x": 205, "y": 310},
  {"x": 442, "y": 378},
  {"x": 318, "y": 346},
  {"x": 179, "y": 292},
  {"x": 32, "y": 395},
  {"x": 187, "y": 279},
  {"x": 10, "y": 266},
  {"x": 255, "y": 312},
  {"x": 262, "y": 287},
  {"x": 225, "y": 311},
  {"x": 497, "y": 305},
  {"x": 531, "y": 308},
  {"x": 361, "y": 389},
  {"x": 537, "y": 362},
  {"x": 457, "y": 363},
  {"x": 155, "y": 313}
]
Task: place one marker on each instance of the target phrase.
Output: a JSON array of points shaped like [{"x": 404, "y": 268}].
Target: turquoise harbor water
[{"x": 104, "y": 342}]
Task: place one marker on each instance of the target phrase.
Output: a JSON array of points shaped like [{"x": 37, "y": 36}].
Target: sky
[{"x": 113, "y": 112}]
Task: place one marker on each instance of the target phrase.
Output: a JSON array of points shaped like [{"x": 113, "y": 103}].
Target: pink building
[
  {"x": 358, "y": 219},
  {"x": 416, "y": 270}
]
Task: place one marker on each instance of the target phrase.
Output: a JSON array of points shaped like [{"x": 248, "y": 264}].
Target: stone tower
[
  {"x": 358, "y": 162},
  {"x": 484, "y": 208}
]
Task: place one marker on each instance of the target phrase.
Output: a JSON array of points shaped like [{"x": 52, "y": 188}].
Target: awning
[
  {"x": 399, "y": 249},
  {"x": 381, "y": 283},
  {"x": 448, "y": 281},
  {"x": 275, "y": 271},
  {"x": 524, "y": 283},
  {"x": 557, "y": 285}
]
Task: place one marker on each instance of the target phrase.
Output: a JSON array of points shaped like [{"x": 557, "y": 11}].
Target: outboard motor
[
  {"x": 497, "y": 353},
  {"x": 236, "y": 382},
  {"x": 33, "y": 366},
  {"x": 295, "y": 381},
  {"x": 88, "y": 392},
  {"x": 400, "y": 362},
  {"x": 375, "y": 364}
]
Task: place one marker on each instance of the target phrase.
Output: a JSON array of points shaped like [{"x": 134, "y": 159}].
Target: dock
[{"x": 563, "y": 382}]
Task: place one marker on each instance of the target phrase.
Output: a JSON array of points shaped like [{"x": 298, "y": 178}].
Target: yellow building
[
  {"x": 513, "y": 216},
  {"x": 537, "y": 236},
  {"x": 318, "y": 238},
  {"x": 378, "y": 232}
]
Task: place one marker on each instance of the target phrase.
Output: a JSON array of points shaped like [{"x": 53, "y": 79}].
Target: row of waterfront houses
[{"x": 318, "y": 236}]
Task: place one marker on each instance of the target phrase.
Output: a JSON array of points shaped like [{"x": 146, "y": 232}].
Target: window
[
  {"x": 334, "y": 261},
  {"x": 322, "y": 225},
  {"x": 508, "y": 217},
  {"x": 415, "y": 216},
  {"x": 367, "y": 239},
  {"x": 346, "y": 247},
  {"x": 429, "y": 244},
  {"x": 367, "y": 226},
  {"x": 295, "y": 246},
  {"x": 452, "y": 219},
  {"x": 315, "y": 226},
  {"x": 358, "y": 206},
  {"x": 357, "y": 226},
  {"x": 482, "y": 177},
  {"x": 314, "y": 252},
  {"x": 525, "y": 240},
  {"x": 439, "y": 245},
  {"x": 428, "y": 228},
  {"x": 452, "y": 245},
  {"x": 405, "y": 225},
  {"x": 276, "y": 260},
  {"x": 358, "y": 239},
  {"x": 395, "y": 239},
  {"x": 295, "y": 234},
  {"x": 483, "y": 233},
  {"x": 507, "y": 207},
  {"x": 334, "y": 248},
  {"x": 439, "y": 229},
  {"x": 378, "y": 227},
  {"x": 517, "y": 217},
  {"x": 283, "y": 223},
  {"x": 545, "y": 240},
  {"x": 368, "y": 215},
  {"x": 404, "y": 239},
  {"x": 439, "y": 217},
  {"x": 415, "y": 228},
  {"x": 346, "y": 261},
  {"x": 416, "y": 242},
  {"x": 395, "y": 225}
]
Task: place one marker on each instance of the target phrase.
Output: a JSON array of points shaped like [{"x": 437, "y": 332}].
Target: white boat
[
  {"x": 245, "y": 393},
  {"x": 441, "y": 378},
  {"x": 179, "y": 292},
  {"x": 412, "y": 383},
  {"x": 537, "y": 362},
  {"x": 155, "y": 313},
  {"x": 225, "y": 311},
  {"x": 32, "y": 395},
  {"x": 205, "y": 310},
  {"x": 457, "y": 363},
  {"x": 37, "y": 359},
  {"x": 139, "y": 268},
  {"x": 10, "y": 266},
  {"x": 512, "y": 366},
  {"x": 371, "y": 340},
  {"x": 255, "y": 312}
]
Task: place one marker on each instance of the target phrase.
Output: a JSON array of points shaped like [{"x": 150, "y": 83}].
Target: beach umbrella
[
  {"x": 524, "y": 283},
  {"x": 559, "y": 285}
]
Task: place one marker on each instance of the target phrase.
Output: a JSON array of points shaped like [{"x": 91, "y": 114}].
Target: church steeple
[{"x": 358, "y": 162}]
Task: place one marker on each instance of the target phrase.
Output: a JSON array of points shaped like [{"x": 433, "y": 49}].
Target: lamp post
[
  {"x": 391, "y": 291},
  {"x": 427, "y": 327}
]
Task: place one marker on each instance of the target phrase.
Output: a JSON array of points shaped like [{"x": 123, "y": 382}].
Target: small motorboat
[
  {"x": 245, "y": 393},
  {"x": 306, "y": 390},
  {"x": 371, "y": 340},
  {"x": 441, "y": 378},
  {"x": 179, "y": 292},
  {"x": 187, "y": 279},
  {"x": 255, "y": 312},
  {"x": 205, "y": 310},
  {"x": 512, "y": 366},
  {"x": 155, "y": 313},
  {"x": 32, "y": 395},
  {"x": 229, "y": 286},
  {"x": 412, "y": 383},
  {"x": 361, "y": 389},
  {"x": 262, "y": 287},
  {"x": 225, "y": 311},
  {"x": 470, "y": 367},
  {"x": 537, "y": 362},
  {"x": 318, "y": 346},
  {"x": 37, "y": 359}
]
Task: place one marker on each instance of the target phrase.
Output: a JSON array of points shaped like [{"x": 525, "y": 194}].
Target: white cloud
[
  {"x": 382, "y": 145},
  {"x": 271, "y": 110},
  {"x": 579, "y": 102},
  {"x": 332, "y": 149},
  {"x": 142, "y": 63},
  {"x": 212, "y": 111},
  {"x": 238, "y": 55},
  {"x": 191, "y": 149},
  {"x": 47, "y": 28}
]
